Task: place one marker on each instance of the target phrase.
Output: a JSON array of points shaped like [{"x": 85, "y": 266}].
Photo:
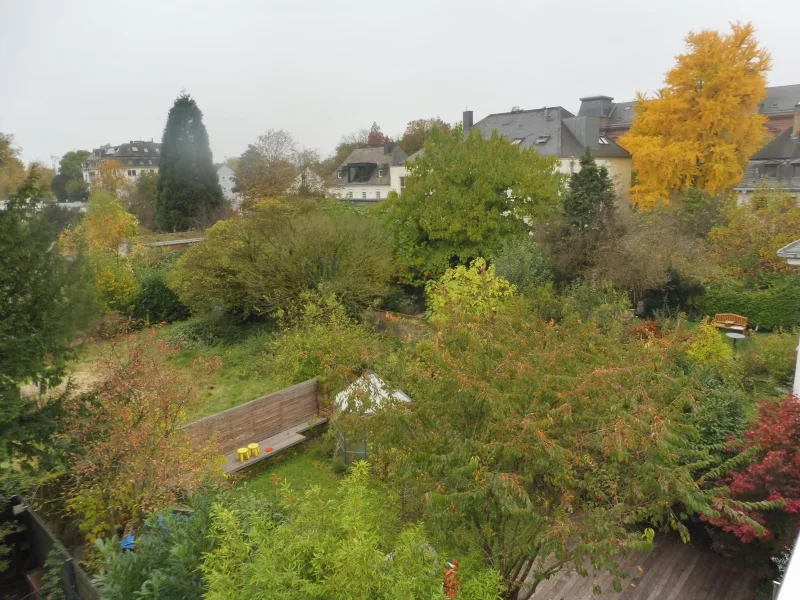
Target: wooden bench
[
  {"x": 730, "y": 321},
  {"x": 282, "y": 441}
]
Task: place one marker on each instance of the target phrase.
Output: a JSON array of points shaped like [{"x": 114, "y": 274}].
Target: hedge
[{"x": 768, "y": 304}]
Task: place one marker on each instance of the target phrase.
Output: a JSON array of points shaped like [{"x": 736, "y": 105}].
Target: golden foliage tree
[
  {"x": 104, "y": 227},
  {"x": 111, "y": 177},
  {"x": 702, "y": 127}
]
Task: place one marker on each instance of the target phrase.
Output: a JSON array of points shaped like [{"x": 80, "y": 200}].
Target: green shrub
[
  {"x": 770, "y": 304},
  {"x": 770, "y": 356},
  {"x": 709, "y": 348},
  {"x": 524, "y": 263},
  {"x": 154, "y": 302},
  {"x": 338, "y": 465},
  {"x": 319, "y": 339},
  {"x": 209, "y": 331},
  {"x": 721, "y": 414}
]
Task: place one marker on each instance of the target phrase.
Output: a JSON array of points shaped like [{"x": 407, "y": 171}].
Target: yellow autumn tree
[
  {"x": 703, "y": 126},
  {"x": 101, "y": 233},
  {"x": 111, "y": 177}
]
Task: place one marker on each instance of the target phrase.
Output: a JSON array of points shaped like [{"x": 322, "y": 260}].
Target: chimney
[
  {"x": 467, "y": 120},
  {"x": 388, "y": 147},
  {"x": 796, "y": 125}
]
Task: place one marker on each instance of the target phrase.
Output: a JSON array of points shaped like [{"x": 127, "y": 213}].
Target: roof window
[
  {"x": 627, "y": 108},
  {"x": 146, "y": 150},
  {"x": 603, "y": 140},
  {"x": 774, "y": 105},
  {"x": 542, "y": 139},
  {"x": 134, "y": 148},
  {"x": 516, "y": 141}
]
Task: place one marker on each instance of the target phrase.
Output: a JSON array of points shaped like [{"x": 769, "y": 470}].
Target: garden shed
[{"x": 367, "y": 395}]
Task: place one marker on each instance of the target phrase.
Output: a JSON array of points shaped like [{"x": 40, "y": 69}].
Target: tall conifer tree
[{"x": 188, "y": 189}]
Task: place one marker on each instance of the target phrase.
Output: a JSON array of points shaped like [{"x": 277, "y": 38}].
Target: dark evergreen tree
[
  {"x": 591, "y": 198},
  {"x": 188, "y": 191},
  {"x": 42, "y": 296}
]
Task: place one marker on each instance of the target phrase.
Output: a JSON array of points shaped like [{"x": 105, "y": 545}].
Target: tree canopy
[
  {"x": 703, "y": 126},
  {"x": 188, "y": 190},
  {"x": 463, "y": 197},
  {"x": 418, "y": 131}
]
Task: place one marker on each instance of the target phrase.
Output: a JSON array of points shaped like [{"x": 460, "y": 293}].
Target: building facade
[
  {"x": 369, "y": 174},
  {"x": 554, "y": 131},
  {"x": 136, "y": 157},
  {"x": 227, "y": 181},
  {"x": 616, "y": 118},
  {"x": 776, "y": 164}
]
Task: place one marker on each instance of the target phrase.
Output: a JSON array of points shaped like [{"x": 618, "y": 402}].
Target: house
[
  {"x": 554, "y": 131},
  {"x": 136, "y": 157},
  {"x": 307, "y": 180},
  {"x": 777, "y": 163},
  {"x": 227, "y": 180},
  {"x": 369, "y": 174},
  {"x": 617, "y": 117}
]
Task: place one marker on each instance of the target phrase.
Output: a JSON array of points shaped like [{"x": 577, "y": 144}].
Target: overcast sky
[{"x": 78, "y": 74}]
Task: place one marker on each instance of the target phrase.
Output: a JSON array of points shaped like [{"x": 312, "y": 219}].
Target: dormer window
[
  {"x": 771, "y": 171},
  {"x": 340, "y": 174}
]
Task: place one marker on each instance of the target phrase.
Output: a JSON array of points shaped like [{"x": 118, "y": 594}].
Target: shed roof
[
  {"x": 790, "y": 250},
  {"x": 367, "y": 394}
]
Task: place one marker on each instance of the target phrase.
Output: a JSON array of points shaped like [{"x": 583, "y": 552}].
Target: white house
[
  {"x": 136, "y": 157},
  {"x": 227, "y": 180},
  {"x": 369, "y": 174},
  {"x": 309, "y": 181}
]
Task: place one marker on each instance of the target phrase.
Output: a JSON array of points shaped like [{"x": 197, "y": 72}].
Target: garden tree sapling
[
  {"x": 128, "y": 453},
  {"x": 703, "y": 126}
]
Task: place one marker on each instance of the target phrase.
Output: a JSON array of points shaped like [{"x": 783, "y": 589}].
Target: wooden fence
[
  {"x": 42, "y": 541},
  {"x": 260, "y": 418}
]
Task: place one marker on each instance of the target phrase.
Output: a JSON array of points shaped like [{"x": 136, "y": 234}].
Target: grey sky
[{"x": 80, "y": 74}]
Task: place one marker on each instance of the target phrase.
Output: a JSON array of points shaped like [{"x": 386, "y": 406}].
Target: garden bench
[
  {"x": 276, "y": 443},
  {"x": 730, "y": 321}
]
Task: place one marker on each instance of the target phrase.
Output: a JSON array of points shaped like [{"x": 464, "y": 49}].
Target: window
[
  {"x": 350, "y": 195},
  {"x": 380, "y": 172},
  {"x": 542, "y": 139},
  {"x": 359, "y": 174},
  {"x": 157, "y": 150},
  {"x": 774, "y": 105},
  {"x": 402, "y": 182},
  {"x": 363, "y": 194},
  {"x": 619, "y": 118},
  {"x": 378, "y": 194},
  {"x": 134, "y": 148},
  {"x": 516, "y": 141},
  {"x": 796, "y": 171},
  {"x": 627, "y": 108},
  {"x": 771, "y": 171},
  {"x": 603, "y": 140},
  {"x": 150, "y": 162},
  {"x": 340, "y": 174},
  {"x": 131, "y": 172},
  {"x": 147, "y": 150}
]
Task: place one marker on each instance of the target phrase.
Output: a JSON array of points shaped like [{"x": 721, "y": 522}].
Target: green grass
[{"x": 302, "y": 470}]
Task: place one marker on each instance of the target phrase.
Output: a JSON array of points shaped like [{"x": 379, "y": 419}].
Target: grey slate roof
[
  {"x": 780, "y": 100},
  {"x": 785, "y": 97},
  {"x": 567, "y": 135},
  {"x": 416, "y": 155},
  {"x": 784, "y": 154},
  {"x": 376, "y": 155},
  {"x": 136, "y": 153}
]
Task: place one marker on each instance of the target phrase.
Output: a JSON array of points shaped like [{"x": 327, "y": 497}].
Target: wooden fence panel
[{"x": 260, "y": 418}]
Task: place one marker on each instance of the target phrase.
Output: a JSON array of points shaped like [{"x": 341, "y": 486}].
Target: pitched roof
[
  {"x": 782, "y": 147},
  {"x": 376, "y": 155},
  {"x": 557, "y": 131},
  {"x": 780, "y": 100},
  {"x": 791, "y": 250}
]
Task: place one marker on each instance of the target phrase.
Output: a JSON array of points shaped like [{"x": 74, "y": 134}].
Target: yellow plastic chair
[
  {"x": 242, "y": 454},
  {"x": 252, "y": 449}
]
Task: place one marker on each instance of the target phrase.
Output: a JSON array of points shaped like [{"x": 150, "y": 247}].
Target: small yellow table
[
  {"x": 242, "y": 454},
  {"x": 252, "y": 449}
]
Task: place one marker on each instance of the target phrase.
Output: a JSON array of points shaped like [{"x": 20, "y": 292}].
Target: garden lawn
[{"x": 301, "y": 470}]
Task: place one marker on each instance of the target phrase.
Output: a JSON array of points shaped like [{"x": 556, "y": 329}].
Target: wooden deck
[
  {"x": 670, "y": 571},
  {"x": 282, "y": 441}
]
